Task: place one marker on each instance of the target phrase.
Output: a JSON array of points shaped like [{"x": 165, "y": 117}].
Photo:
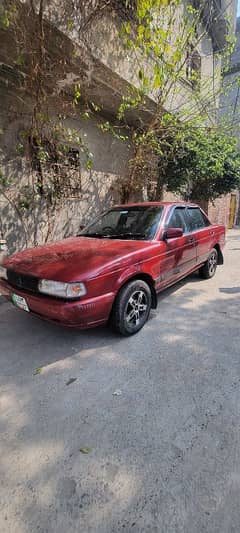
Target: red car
[{"x": 115, "y": 267}]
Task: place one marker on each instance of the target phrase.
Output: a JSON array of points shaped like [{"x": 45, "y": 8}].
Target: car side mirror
[{"x": 173, "y": 233}]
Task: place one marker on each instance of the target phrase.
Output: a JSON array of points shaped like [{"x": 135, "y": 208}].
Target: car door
[
  {"x": 201, "y": 230},
  {"x": 180, "y": 255}
]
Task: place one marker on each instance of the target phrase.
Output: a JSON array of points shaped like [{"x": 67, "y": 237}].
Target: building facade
[
  {"x": 79, "y": 46},
  {"x": 230, "y": 114}
]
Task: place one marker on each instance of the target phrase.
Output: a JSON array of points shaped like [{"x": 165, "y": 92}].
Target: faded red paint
[{"x": 104, "y": 266}]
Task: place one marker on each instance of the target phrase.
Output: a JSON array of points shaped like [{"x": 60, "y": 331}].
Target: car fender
[
  {"x": 135, "y": 271},
  {"x": 127, "y": 274}
]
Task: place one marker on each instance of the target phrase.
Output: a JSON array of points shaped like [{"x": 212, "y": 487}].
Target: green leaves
[
  {"x": 20, "y": 150},
  {"x": 20, "y": 61},
  {"x": 4, "y": 22},
  {"x": 197, "y": 162},
  {"x": 127, "y": 27},
  {"x": 89, "y": 164},
  {"x": 70, "y": 24},
  {"x": 133, "y": 100},
  {"x": 77, "y": 93},
  {"x": 190, "y": 9},
  {"x": 158, "y": 76},
  {"x": 95, "y": 107},
  {"x": 177, "y": 56},
  {"x": 38, "y": 371},
  {"x": 7, "y": 16},
  {"x": 86, "y": 450}
]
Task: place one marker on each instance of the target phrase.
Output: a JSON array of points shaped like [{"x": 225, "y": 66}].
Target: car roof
[{"x": 163, "y": 204}]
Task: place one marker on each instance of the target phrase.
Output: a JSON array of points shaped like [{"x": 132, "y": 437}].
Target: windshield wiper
[
  {"x": 93, "y": 234},
  {"x": 125, "y": 235}
]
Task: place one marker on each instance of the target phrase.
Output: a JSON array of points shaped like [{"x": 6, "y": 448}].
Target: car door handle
[
  {"x": 212, "y": 233},
  {"x": 191, "y": 239}
]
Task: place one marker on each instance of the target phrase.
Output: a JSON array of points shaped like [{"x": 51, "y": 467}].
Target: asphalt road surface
[{"x": 162, "y": 454}]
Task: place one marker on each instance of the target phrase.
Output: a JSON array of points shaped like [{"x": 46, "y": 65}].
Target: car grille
[{"x": 22, "y": 281}]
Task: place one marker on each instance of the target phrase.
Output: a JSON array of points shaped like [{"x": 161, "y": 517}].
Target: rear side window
[
  {"x": 178, "y": 219},
  {"x": 197, "y": 219}
]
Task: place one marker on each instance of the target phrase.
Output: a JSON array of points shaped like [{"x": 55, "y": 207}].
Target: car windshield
[{"x": 136, "y": 223}]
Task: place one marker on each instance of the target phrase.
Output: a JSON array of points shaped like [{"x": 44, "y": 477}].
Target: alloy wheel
[
  {"x": 136, "y": 308},
  {"x": 212, "y": 262}
]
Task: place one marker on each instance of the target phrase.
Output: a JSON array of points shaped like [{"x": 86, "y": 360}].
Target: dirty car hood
[{"x": 75, "y": 258}]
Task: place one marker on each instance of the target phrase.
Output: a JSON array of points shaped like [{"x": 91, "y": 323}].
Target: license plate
[{"x": 20, "y": 302}]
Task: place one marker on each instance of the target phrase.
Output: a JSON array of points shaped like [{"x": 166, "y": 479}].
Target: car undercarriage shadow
[{"x": 60, "y": 342}]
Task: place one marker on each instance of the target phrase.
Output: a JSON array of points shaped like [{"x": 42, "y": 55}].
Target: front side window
[
  {"x": 197, "y": 219},
  {"x": 178, "y": 219},
  {"x": 137, "y": 223}
]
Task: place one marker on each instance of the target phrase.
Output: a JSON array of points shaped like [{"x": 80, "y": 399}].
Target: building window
[
  {"x": 57, "y": 167},
  {"x": 73, "y": 159}
]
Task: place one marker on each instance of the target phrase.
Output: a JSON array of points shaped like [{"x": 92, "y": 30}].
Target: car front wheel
[
  {"x": 209, "y": 268},
  {"x": 131, "y": 308}
]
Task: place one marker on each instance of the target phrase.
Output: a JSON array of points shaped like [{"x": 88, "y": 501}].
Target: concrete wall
[
  {"x": 101, "y": 35},
  {"x": 99, "y": 186},
  {"x": 230, "y": 102},
  {"x": 219, "y": 211},
  {"x": 109, "y": 72},
  {"x": 105, "y": 44}
]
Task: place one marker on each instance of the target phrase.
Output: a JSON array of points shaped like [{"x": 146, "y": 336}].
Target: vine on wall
[{"x": 162, "y": 38}]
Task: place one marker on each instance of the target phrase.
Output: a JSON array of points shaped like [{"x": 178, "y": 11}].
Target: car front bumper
[{"x": 84, "y": 313}]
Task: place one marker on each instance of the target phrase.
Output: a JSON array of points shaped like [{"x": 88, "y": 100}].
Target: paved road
[{"x": 165, "y": 453}]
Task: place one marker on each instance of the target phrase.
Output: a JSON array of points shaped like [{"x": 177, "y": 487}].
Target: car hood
[{"x": 76, "y": 258}]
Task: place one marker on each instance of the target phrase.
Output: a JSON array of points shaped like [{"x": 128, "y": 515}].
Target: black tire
[
  {"x": 209, "y": 268},
  {"x": 131, "y": 308}
]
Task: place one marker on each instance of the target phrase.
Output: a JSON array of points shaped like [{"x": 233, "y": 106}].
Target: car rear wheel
[
  {"x": 131, "y": 308},
  {"x": 208, "y": 270}
]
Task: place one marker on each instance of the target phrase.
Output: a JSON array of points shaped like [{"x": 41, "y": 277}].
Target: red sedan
[{"x": 115, "y": 267}]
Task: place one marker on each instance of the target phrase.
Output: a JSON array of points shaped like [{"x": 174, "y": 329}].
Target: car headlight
[
  {"x": 63, "y": 290},
  {"x": 3, "y": 272}
]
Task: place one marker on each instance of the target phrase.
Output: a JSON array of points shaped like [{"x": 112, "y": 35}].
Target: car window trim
[
  {"x": 201, "y": 211},
  {"x": 184, "y": 208}
]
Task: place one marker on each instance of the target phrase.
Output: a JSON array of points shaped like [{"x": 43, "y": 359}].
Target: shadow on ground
[{"x": 164, "y": 454}]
